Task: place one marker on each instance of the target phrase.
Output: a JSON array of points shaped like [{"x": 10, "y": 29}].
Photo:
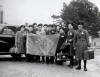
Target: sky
[{"x": 19, "y": 12}]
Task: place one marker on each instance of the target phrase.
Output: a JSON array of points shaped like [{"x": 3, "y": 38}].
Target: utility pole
[{"x": 1, "y": 14}]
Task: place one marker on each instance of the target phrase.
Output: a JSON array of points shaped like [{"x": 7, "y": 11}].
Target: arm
[
  {"x": 75, "y": 39},
  {"x": 87, "y": 38}
]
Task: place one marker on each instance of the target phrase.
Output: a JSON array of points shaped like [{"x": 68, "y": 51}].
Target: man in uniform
[{"x": 70, "y": 38}]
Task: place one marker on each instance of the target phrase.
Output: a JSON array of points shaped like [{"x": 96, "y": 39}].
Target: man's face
[
  {"x": 39, "y": 27},
  {"x": 45, "y": 27},
  {"x": 35, "y": 26},
  {"x": 30, "y": 28},
  {"x": 80, "y": 26},
  {"x": 70, "y": 26},
  {"x": 22, "y": 29},
  {"x": 48, "y": 28},
  {"x": 58, "y": 27}
]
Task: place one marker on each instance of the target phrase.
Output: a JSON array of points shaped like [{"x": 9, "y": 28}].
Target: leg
[
  {"x": 43, "y": 59},
  {"x": 85, "y": 61},
  {"x": 40, "y": 58},
  {"x": 71, "y": 62},
  {"x": 31, "y": 58},
  {"x": 79, "y": 66},
  {"x": 52, "y": 59},
  {"x": 28, "y": 57},
  {"x": 47, "y": 59}
]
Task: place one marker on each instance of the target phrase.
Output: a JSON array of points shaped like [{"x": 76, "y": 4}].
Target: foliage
[{"x": 82, "y": 11}]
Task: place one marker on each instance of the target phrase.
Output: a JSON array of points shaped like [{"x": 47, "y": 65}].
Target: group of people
[
  {"x": 78, "y": 40},
  {"x": 20, "y": 39},
  {"x": 40, "y": 28}
]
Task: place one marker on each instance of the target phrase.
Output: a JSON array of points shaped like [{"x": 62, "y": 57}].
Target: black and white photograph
[{"x": 49, "y": 38}]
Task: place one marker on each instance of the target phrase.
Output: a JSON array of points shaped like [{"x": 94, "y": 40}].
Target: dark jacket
[{"x": 70, "y": 39}]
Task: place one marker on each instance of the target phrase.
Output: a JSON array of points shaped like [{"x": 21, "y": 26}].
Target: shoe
[
  {"x": 78, "y": 68},
  {"x": 85, "y": 69}
]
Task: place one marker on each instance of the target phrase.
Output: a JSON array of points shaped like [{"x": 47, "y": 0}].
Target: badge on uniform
[
  {"x": 70, "y": 33},
  {"x": 82, "y": 33}
]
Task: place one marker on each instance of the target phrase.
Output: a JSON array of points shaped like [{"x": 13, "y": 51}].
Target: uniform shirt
[{"x": 82, "y": 35}]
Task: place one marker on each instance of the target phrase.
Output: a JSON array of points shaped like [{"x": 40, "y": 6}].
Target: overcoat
[
  {"x": 81, "y": 43},
  {"x": 19, "y": 41}
]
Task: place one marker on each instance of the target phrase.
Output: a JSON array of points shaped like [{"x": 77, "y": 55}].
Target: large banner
[{"x": 42, "y": 44}]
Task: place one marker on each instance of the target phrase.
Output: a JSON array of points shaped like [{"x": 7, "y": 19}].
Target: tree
[
  {"x": 57, "y": 19},
  {"x": 82, "y": 11}
]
